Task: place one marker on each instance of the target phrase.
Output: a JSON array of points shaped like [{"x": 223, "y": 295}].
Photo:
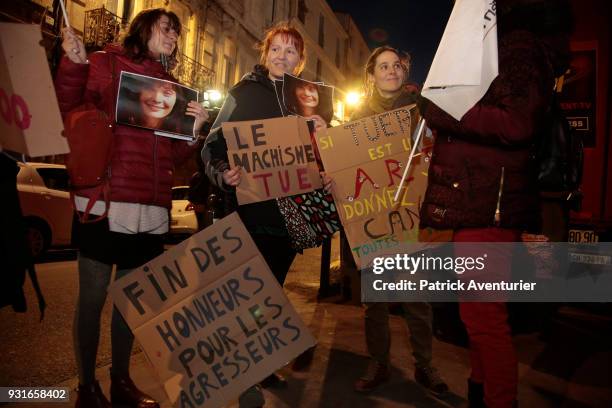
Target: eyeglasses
[{"x": 166, "y": 29}]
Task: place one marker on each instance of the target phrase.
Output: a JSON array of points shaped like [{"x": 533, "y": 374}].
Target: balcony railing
[
  {"x": 193, "y": 74},
  {"x": 101, "y": 27}
]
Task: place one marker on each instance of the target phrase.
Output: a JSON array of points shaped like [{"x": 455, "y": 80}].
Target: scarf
[{"x": 380, "y": 104}]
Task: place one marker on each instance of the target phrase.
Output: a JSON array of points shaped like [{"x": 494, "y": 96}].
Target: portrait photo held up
[
  {"x": 305, "y": 98},
  {"x": 155, "y": 104}
]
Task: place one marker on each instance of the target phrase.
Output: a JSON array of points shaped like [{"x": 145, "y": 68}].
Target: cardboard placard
[
  {"x": 210, "y": 316},
  {"x": 276, "y": 156},
  {"x": 365, "y": 158},
  {"x": 30, "y": 119}
]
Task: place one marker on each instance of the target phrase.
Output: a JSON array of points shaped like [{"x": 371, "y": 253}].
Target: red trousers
[{"x": 492, "y": 354}]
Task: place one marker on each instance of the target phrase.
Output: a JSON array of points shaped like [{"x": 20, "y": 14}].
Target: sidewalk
[{"x": 573, "y": 369}]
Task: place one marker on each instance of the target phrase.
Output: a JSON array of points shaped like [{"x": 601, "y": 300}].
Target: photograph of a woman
[
  {"x": 155, "y": 104},
  {"x": 305, "y": 98},
  {"x": 308, "y": 98}
]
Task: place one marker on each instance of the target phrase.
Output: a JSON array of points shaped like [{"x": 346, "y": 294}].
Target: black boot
[
  {"x": 475, "y": 394},
  {"x": 124, "y": 392},
  {"x": 274, "y": 380},
  {"x": 303, "y": 361},
  {"x": 91, "y": 396}
]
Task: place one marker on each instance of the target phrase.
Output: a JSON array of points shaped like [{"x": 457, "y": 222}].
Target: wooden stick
[
  {"x": 417, "y": 140},
  {"x": 61, "y": 2}
]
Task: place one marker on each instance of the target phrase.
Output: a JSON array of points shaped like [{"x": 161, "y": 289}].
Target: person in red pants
[{"x": 481, "y": 180}]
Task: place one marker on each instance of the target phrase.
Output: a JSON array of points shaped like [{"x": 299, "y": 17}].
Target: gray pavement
[{"x": 569, "y": 366}]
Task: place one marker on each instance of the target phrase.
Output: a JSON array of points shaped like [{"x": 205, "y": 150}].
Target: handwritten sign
[
  {"x": 30, "y": 120},
  {"x": 210, "y": 316},
  {"x": 366, "y": 158},
  {"x": 276, "y": 156}
]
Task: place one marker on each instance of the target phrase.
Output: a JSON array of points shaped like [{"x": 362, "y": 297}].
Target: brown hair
[
  {"x": 404, "y": 58},
  {"x": 288, "y": 34},
  {"x": 141, "y": 30}
]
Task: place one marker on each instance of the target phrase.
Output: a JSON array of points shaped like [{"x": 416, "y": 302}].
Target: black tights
[{"x": 94, "y": 278}]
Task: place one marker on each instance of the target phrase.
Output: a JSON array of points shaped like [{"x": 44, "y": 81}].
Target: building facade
[
  {"x": 217, "y": 45},
  {"x": 218, "y": 42}
]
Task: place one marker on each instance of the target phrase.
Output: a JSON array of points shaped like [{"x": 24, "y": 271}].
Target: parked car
[
  {"x": 45, "y": 203},
  {"x": 183, "y": 219}
]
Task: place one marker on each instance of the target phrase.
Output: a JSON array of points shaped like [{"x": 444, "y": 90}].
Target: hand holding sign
[
  {"x": 327, "y": 182},
  {"x": 275, "y": 158},
  {"x": 73, "y": 46},
  {"x": 233, "y": 176},
  {"x": 319, "y": 122}
]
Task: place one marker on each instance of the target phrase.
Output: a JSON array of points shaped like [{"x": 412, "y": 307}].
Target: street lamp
[
  {"x": 212, "y": 98},
  {"x": 353, "y": 98},
  {"x": 214, "y": 95}
]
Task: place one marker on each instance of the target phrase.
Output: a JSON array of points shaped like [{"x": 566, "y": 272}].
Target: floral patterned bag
[{"x": 310, "y": 217}]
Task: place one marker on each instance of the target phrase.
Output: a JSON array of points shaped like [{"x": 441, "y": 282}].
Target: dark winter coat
[
  {"x": 252, "y": 98},
  {"x": 142, "y": 166},
  {"x": 482, "y": 163}
]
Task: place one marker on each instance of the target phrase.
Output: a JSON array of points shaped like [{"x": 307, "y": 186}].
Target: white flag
[{"x": 466, "y": 60}]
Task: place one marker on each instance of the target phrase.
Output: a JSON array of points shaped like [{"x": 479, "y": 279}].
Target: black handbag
[{"x": 559, "y": 155}]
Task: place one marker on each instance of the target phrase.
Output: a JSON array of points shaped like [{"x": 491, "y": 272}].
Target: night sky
[{"x": 415, "y": 26}]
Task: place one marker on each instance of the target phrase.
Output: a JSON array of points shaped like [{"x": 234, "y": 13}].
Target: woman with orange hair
[{"x": 270, "y": 222}]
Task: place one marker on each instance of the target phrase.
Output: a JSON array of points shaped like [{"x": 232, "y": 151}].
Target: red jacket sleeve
[
  {"x": 76, "y": 84},
  {"x": 70, "y": 81}
]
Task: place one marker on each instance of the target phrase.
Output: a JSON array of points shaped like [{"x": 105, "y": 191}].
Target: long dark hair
[{"x": 141, "y": 30}]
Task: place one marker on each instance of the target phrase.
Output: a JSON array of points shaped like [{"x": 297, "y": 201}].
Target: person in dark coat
[
  {"x": 481, "y": 179},
  {"x": 14, "y": 248},
  {"x": 254, "y": 97},
  {"x": 141, "y": 177}
]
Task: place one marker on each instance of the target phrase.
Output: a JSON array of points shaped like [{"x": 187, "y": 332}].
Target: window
[
  {"x": 153, "y": 4},
  {"x": 180, "y": 193},
  {"x": 184, "y": 16},
  {"x": 228, "y": 69},
  {"x": 127, "y": 10},
  {"x": 302, "y": 10},
  {"x": 318, "y": 79},
  {"x": 208, "y": 56},
  {"x": 55, "y": 179},
  {"x": 227, "y": 72},
  {"x": 321, "y": 31},
  {"x": 338, "y": 52}
]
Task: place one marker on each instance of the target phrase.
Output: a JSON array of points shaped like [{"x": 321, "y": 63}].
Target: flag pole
[
  {"x": 417, "y": 140},
  {"x": 63, "y": 6}
]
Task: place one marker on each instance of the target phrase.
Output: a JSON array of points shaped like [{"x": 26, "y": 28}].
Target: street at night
[
  {"x": 567, "y": 365},
  {"x": 305, "y": 204}
]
